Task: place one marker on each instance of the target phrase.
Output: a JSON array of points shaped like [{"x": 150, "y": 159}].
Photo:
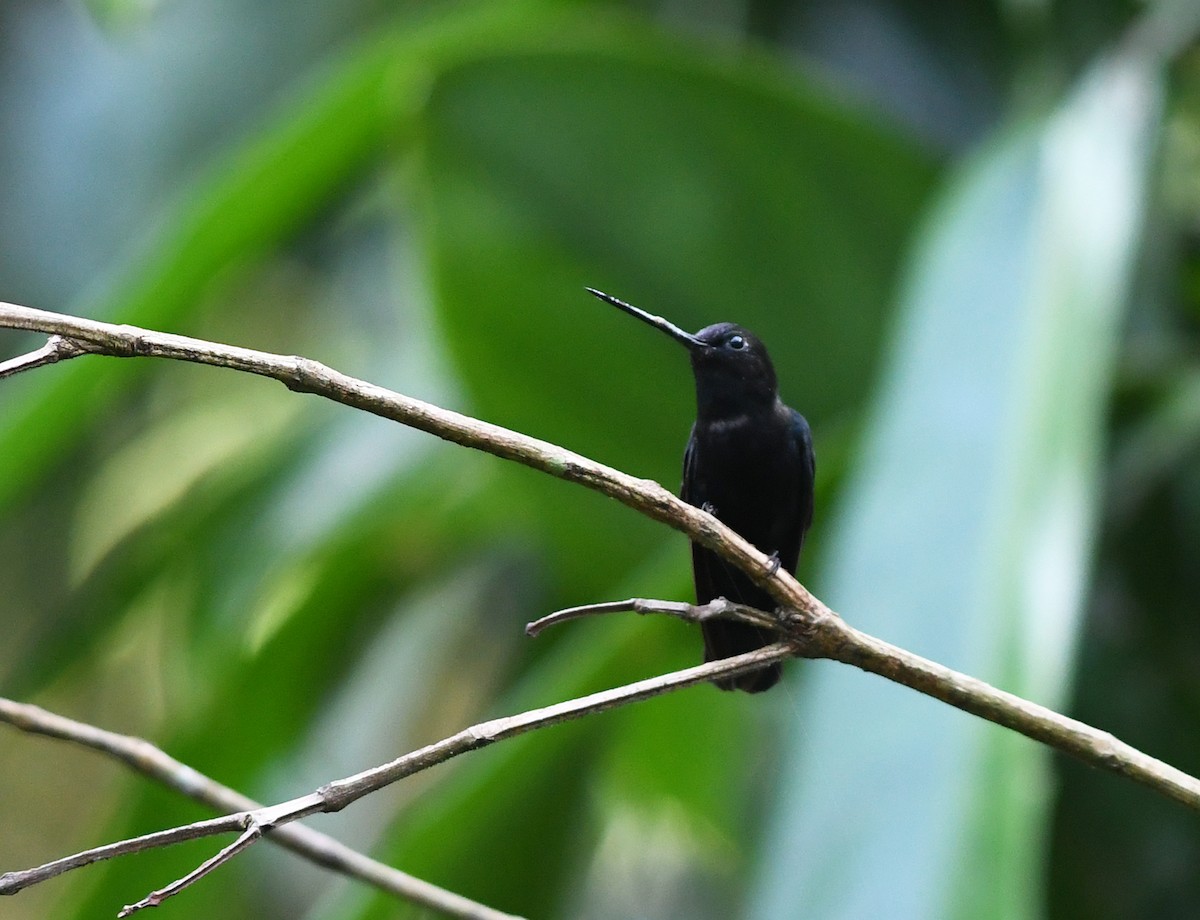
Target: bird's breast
[{"x": 748, "y": 470}]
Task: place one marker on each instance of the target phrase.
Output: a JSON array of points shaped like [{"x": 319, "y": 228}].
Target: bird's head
[{"x": 733, "y": 371}]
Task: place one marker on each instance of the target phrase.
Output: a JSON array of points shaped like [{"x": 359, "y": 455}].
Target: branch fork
[{"x": 57, "y": 348}]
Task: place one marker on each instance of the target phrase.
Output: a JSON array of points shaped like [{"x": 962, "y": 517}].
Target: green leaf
[
  {"x": 250, "y": 202},
  {"x": 967, "y": 527}
]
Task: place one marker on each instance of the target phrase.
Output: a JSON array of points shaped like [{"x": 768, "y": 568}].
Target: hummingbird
[{"x": 749, "y": 462}]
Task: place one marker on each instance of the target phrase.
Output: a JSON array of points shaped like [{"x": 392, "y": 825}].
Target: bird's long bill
[{"x": 656, "y": 321}]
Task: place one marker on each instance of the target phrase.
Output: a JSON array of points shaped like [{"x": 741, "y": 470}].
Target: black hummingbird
[{"x": 750, "y": 463}]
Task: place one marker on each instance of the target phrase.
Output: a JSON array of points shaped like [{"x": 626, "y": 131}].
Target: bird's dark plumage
[{"x": 750, "y": 462}]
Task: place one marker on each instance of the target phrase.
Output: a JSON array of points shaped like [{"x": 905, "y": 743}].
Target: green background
[{"x": 969, "y": 234}]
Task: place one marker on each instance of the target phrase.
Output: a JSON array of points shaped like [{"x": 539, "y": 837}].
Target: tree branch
[
  {"x": 155, "y": 898},
  {"x": 719, "y": 609},
  {"x": 255, "y": 822},
  {"x": 156, "y": 764},
  {"x": 835, "y": 640}
]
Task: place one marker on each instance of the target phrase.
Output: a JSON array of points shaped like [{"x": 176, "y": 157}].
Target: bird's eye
[{"x": 737, "y": 342}]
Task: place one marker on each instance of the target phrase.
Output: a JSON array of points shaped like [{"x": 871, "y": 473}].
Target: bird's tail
[{"x": 724, "y": 639}]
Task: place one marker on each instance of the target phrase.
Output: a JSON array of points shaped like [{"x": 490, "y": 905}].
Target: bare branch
[
  {"x": 1091, "y": 745},
  {"x": 12, "y": 882},
  {"x": 832, "y": 638},
  {"x": 56, "y": 349},
  {"x": 154, "y": 763},
  {"x": 155, "y": 898},
  {"x": 719, "y": 609},
  {"x": 340, "y": 793}
]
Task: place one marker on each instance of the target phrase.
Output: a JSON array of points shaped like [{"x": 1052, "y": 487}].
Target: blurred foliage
[{"x": 970, "y": 234}]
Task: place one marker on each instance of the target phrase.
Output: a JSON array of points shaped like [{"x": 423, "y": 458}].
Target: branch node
[
  {"x": 132, "y": 342},
  {"x": 306, "y": 375},
  {"x": 334, "y": 797}
]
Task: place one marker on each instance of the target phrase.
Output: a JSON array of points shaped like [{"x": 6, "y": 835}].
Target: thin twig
[
  {"x": 718, "y": 609},
  {"x": 319, "y": 848},
  {"x": 12, "y": 882},
  {"x": 155, "y": 898},
  {"x": 56, "y": 349},
  {"x": 340, "y": 793}
]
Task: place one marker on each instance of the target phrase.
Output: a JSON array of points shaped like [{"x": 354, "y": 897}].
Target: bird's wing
[
  {"x": 801, "y": 520},
  {"x": 808, "y": 468},
  {"x": 690, "y": 486}
]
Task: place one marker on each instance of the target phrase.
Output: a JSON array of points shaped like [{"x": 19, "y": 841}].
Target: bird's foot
[
  {"x": 773, "y": 563},
  {"x": 709, "y": 508}
]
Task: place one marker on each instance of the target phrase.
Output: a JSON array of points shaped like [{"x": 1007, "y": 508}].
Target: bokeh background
[{"x": 969, "y": 234}]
